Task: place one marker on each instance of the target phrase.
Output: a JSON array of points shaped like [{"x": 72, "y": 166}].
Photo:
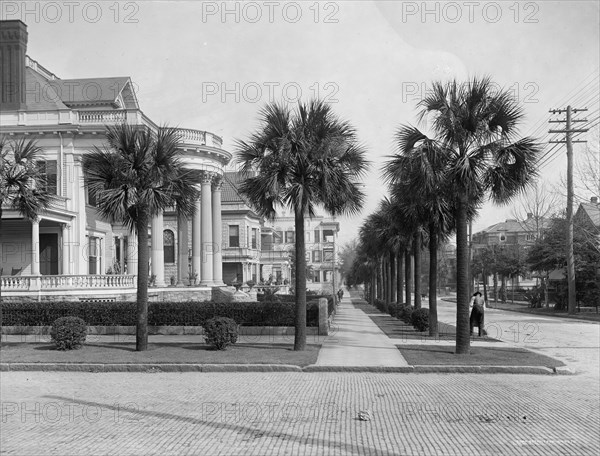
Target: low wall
[{"x": 162, "y": 330}]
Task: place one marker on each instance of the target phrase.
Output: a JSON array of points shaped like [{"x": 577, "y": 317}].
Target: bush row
[
  {"x": 418, "y": 318},
  {"x": 159, "y": 313}
]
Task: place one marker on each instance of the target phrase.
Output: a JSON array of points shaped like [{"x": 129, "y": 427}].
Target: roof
[
  {"x": 514, "y": 226},
  {"x": 593, "y": 212},
  {"x": 230, "y": 191},
  {"x": 90, "y": 90},
  {"x": 39, "y": 96},
  {"x": 47, "y": 92}
]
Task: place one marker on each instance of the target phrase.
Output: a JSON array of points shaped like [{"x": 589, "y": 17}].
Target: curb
[{"x": 158, "y": 367}]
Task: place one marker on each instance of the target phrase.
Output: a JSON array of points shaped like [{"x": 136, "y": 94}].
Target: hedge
[{"x": 159, "y": 313}]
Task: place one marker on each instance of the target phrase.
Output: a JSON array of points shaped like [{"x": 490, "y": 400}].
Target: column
[
  {"x": 197, "y": 241},
  {"x": 132, "y": 251},
  {"x": 35, "y": 247},
  {"x": 182, "y": 250},
  {"x": 206, "y": 231},
  {"x": 217, "y": 231},
  {"x": 66, "y": 254},
  {"x": 157, "y": 251},
  {"x": 122, "y": 254}
]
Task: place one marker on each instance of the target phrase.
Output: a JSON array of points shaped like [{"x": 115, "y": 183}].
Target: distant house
[
  {"x": 588, "y": 216},
  {"x": 511, "y": 232}
]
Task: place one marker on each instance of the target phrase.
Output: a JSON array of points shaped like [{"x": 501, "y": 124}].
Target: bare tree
[{"x": 535, "y": 207}]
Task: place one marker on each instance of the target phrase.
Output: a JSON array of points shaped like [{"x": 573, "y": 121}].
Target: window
[
  {"x": 328, "y": 255},
  {"x": 307, "y": 236},
  {"x": 316, "y": 256},
  {"x": 290, "y": 237},
  {"x": 317, "y": 236},
  {"x": 278, "y": 238},
  {"x": 254, "y": 273},
  {"x": 327, "y": 235},
  {"x": 169, "y": 246},
  {"x": 48, "y": 171},
  {"x": 254, "y": 239},
  {"x": 316, "y": 276},
  {"x": 93, "y": 253},
  {"x": 326, "y": 276},
  {"x": 234, "y": 236}
]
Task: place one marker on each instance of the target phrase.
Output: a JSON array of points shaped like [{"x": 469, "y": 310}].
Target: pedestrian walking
[{"x": 477, "y": 306}]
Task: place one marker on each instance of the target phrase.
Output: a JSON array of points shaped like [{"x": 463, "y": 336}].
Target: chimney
[
  {"x": 13, "y": 47},
  {"x": 594, "y": 200},
  {"x": 529, "y": 215}
]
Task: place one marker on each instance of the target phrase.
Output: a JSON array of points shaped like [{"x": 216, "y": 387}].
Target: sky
[{"x": 213, "y": 65}]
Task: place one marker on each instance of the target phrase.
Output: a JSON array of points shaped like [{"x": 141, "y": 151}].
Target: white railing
[
  {"x": 196, "y": 136},
  {"x": 67, "y": 282},
  {"x": 14, "y": 283},
  {"x": 101, "y": 117}
]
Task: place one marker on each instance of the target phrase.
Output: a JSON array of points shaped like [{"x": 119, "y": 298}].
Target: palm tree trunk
[
  {"x": 433, "y": 319},
  {"x": 300, "y": 333},
  {"x": 463, "y": 341},
  {"x": 392, "y": 277},
  {"x": 485, "y": 291},
  {"x": 408, "y": 276},
  {"x": 495, "y": 280},
  {"x": 417, "y": 256},
  {"x": 373, "y": 287},
  {"x": 400, "y": 276},
  {"x": 141, "y": 340},
  {"x": 379, "y": 279}
]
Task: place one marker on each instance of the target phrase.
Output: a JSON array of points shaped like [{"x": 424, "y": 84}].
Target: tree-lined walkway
[{"x": 357, "y": 341}]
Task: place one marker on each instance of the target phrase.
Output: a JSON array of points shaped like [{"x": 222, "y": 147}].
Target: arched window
[{"x": 169, "y": 246}]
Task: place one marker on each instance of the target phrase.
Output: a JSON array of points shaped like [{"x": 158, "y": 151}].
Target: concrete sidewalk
[{"x": 357, "y": 341}]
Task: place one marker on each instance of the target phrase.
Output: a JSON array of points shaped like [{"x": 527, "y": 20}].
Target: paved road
[
  {"x": 575, "y": 342},
  {"x": 301, "y": 414}
]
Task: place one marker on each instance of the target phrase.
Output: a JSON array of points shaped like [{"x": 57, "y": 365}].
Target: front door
[{"x": 49, "y": 254}]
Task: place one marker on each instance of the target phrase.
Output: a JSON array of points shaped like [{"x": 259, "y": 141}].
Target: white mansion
[{"x": 70, "y": 251}]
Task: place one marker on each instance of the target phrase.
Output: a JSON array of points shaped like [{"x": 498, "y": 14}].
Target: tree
[
  {"x": 137, "y": 174},
  {"x": 431, "y": 208},
  {"x": 22, "y": 185},
  {"x": 535, "y": 207},
  {"x": 548, "y": 254},
  {"x": 302, "y": 159},
  {"x": 475, "y": 128}
]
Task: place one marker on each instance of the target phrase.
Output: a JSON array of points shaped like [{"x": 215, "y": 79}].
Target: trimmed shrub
[
  {"x": 68, "y": 333},
  {"x": 381, "y": 305},
  {"x": 220, "y": 332},
  {"x": 394, "y": 309},
  {"x": 420, "y": 319},
  {"x": 163, "y": 313},
  {"x": 406, "y": 314}
]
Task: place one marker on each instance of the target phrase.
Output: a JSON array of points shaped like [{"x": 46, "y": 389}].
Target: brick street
[{"x": 287, "y": 413}]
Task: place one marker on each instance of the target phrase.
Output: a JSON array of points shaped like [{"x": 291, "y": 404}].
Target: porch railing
[{"x": 66, "y": 282}]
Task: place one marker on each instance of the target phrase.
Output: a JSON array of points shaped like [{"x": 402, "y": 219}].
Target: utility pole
[{"x": 568, "y": 131}]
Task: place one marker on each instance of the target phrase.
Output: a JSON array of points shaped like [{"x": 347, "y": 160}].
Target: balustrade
[{"x": 68, "y": 282}]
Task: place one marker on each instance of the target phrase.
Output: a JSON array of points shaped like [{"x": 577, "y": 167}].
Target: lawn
[
  {"x": 172, "y": 352},
  {"x": 397, "y": 329},
  {"x": 427, "y": 355}
]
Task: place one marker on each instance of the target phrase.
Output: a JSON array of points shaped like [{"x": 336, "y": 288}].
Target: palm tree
[
  {"x": 22, "y": 185},
  {"x": 422, "y": 167},
  {"x": 302, "y": 159},
  {"x": 475, "y": 128},
  {"x": 135, "y": 176}
]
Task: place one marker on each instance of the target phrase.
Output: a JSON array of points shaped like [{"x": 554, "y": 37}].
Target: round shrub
[
  {"x": 420, "y": 319},
  {"x": 406, "y": 314},
  {"x": 68, "y": 333},
  {"x": 220, "y": 332}
]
